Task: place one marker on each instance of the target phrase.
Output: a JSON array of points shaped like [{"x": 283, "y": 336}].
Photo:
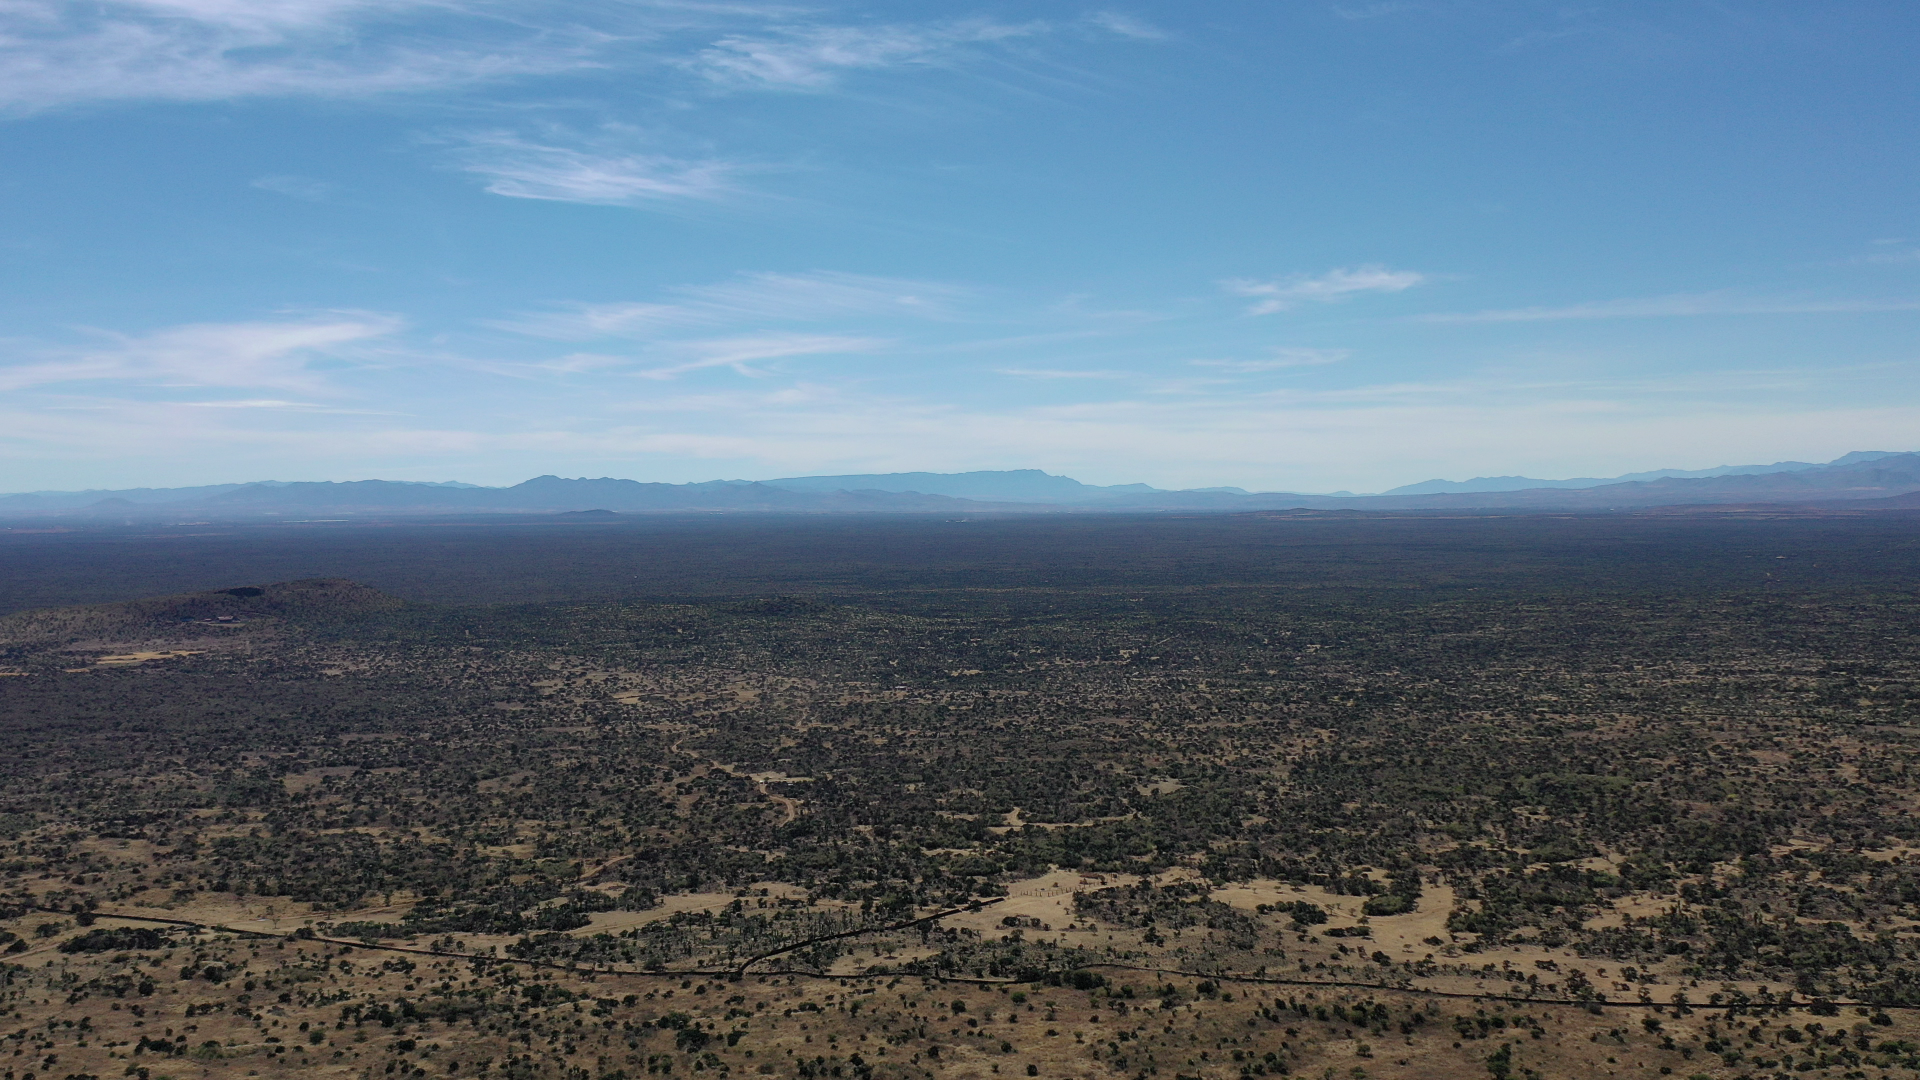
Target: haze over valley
[
  {"x": 755, "y": 540},
  {"x": 1863, "y": 478}
]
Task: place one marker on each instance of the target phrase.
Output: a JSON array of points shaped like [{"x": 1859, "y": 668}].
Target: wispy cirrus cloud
[
  {"x": 1279, "y": 360},
  {"x": 752, "y": 297},
  {"x": 1334, "y": 285},
  {"x": 598, "y": 170},
  {"x": 304, "y": 188},
  {"x": 281, "y": 405},
  {"x": 1379, "y": 9},
  {"x": 1675, "y": 306},
  {"x": 252, "y": 354},
  {"x": 742, "y": 353},
  {"x": 814, "y": 57},
  {"x": 55, "y": 53},
  {"x": 1127, "y": 26},
  {"x": 824, "y": 292},
  {"x": 592, "y": 322},
  {"x": 1890, "y": 253},
  {"x": 1062, "y": 373}
]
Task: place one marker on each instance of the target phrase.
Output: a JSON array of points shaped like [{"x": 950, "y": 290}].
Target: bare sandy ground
[
  {"x": 142, "y": 656},
  {"x": 615, "y": 921}
]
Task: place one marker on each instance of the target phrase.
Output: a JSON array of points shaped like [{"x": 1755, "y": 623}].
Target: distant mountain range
[
  {"x": 1523, "y": 483},
  {"x": 1014, "y": 485},
  {"x": 1861, "y": 479}
]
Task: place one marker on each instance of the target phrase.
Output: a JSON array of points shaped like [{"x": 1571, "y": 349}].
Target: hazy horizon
[
  {"x": 1313, "y": 247},
  {"x": 929, "y": 472}
]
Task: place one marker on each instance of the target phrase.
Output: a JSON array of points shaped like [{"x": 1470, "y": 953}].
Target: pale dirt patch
[
  {"x": 141, "y": 657},
  {"x": 1407, "y": 933},
  {"x": 613, "y": 921},
  {"x": 139, "y": 851},
  {"x": 1638, "y": 905},
  {"x": 1526, "y": 961},
  {"x": 162, "y": 646},
  {"x": 1048, "y": 898},
  {"x": 909, "y": 954},
  {"x": 1012, "y": 819},
  {"x": 1015, "y": 821},
  {"x": 272, "y": 914},
  {"x": 1342, "y": 910},
  {"x": 1176, "y": 874},
  {"x": 1402, "y": 936},
  {"x": 862, "y": 958}
]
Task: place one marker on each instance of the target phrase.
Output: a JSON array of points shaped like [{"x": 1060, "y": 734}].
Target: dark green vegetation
[{"x": 1682, "y": 750}]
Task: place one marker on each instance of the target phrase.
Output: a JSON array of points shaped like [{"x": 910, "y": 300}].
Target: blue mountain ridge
[{"x": 1859, "y": 476}]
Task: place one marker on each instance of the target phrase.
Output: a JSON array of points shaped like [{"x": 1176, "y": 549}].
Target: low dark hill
[
  {"x": 194, "y": 614},
  {"x": 1909, "y": 501}
]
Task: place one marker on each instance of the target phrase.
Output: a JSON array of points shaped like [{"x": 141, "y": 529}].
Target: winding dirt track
[{"x": 739, "y": 972}]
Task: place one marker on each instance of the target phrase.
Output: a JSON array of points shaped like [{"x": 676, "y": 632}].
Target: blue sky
[{"x": 1288, "y": 245}]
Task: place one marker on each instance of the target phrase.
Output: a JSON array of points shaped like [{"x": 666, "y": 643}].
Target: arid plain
[{"x": 1314, "y": 798}]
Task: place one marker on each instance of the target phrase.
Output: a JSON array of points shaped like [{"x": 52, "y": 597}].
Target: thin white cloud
[
  {"x": 1281, "y": 359},
  {"x": 257, "y": 14},
  {"x": 287, "y": 406},
  {"x": 592, "y": 172},
  {"x": 55, "y": 52},
  {"x": 1127, "y": 26},
  {"x": 822, "y": 292},
  {"x": 64, "y": 52},
  {"x": 257, "y": 354},
  {"x": 741, "y": 353},
  {"x": 1676, "y": 306},
  {"x": 303, "y": 188},
  {"x": 1379, "y": 9},
  {"x": 1059, "y": 373},
  {"x": 814, "y": 57},
  {"x": 590, "y": 322},
  {"x": 584, "y": 363},
  {"x": 1334, "y": 285},
  {"x": 1892, "y": 258},
  {"x": 754, "y": 297}
]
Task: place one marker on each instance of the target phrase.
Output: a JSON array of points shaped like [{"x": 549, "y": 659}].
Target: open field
[{"x": 1301, "y": 806}]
